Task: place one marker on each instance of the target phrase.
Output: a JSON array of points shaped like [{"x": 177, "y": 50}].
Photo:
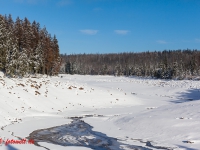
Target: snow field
[{"x": 136, "y": 110}]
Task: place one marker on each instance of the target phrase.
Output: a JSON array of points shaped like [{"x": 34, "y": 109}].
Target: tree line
[
  {"x": 167, "y": 64},
  {"x": 26, "y": 49}
]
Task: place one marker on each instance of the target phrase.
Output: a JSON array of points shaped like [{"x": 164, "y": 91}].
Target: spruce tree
[{"x": 3, "y": 43}]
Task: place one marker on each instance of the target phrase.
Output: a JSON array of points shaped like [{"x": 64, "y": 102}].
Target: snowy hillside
[{"x": 129, "y": 112}]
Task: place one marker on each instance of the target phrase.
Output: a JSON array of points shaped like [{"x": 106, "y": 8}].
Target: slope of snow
[{"x": 144, "y": 112}]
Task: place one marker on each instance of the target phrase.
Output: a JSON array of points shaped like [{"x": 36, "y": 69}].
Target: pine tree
[
  {"x": 12, "y": 49},
  {"x": 18, "y": 32},
  {"x": 174, "y": 70},
  {"x": 36, "y": 53},
  {"x": 26, "y": 49},
  {"x": 56, "y": 57},
  {"x": 3, "y": 43}
]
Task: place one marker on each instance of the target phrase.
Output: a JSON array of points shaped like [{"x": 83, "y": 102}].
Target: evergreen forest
[
  {"x": 167, "y": 64},
  {"x": 27, "y": 49}
]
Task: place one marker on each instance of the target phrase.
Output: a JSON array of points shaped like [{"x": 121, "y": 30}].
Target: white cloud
[
  {"x": 161, "y": 42},
  {"x": 197, "y": 40},
  {"x": 19, "y": 1},
  {"x": 89, "y": 31},
  {"x": 30, "y": 1},
  {"x": 64, "y": 2},
  {"x": 97, "y": 9},
  {"x": 121, "y": 32}
]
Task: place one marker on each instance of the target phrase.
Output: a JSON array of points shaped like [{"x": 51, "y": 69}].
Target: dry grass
[{"x": 81, "y": 88}]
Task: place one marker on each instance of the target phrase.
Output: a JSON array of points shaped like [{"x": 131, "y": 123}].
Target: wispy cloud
[
  {"x": 64, "y": 2},
  {"x": 161, "y": 42},
  {"x": 197, "y": 40},
  {"x": 19, "y": 1},
  {"x": 121, "y": 32},
  {"x": 97, "y": 9},
  {"x": 30, "y": 1},
  {"x": 89, "y": 31}
]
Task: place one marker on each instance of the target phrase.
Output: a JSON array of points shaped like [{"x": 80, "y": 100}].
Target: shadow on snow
[{"x": 189, "y": 95}]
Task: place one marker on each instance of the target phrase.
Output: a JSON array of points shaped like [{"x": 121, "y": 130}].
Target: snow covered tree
[
  {"x": 27, "y": 49},
  {"x": 12, "y": 49},
  {"x": 8, "y": 46},
  {"x": 3, "y": 43},
  {"x": 56, "y": 56}
]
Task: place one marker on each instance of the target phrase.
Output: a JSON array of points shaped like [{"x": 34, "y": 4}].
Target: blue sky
[{"x": 112, "y": 26}]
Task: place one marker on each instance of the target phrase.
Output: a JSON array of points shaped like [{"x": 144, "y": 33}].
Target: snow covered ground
[{"x": 153, "y": 114}]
